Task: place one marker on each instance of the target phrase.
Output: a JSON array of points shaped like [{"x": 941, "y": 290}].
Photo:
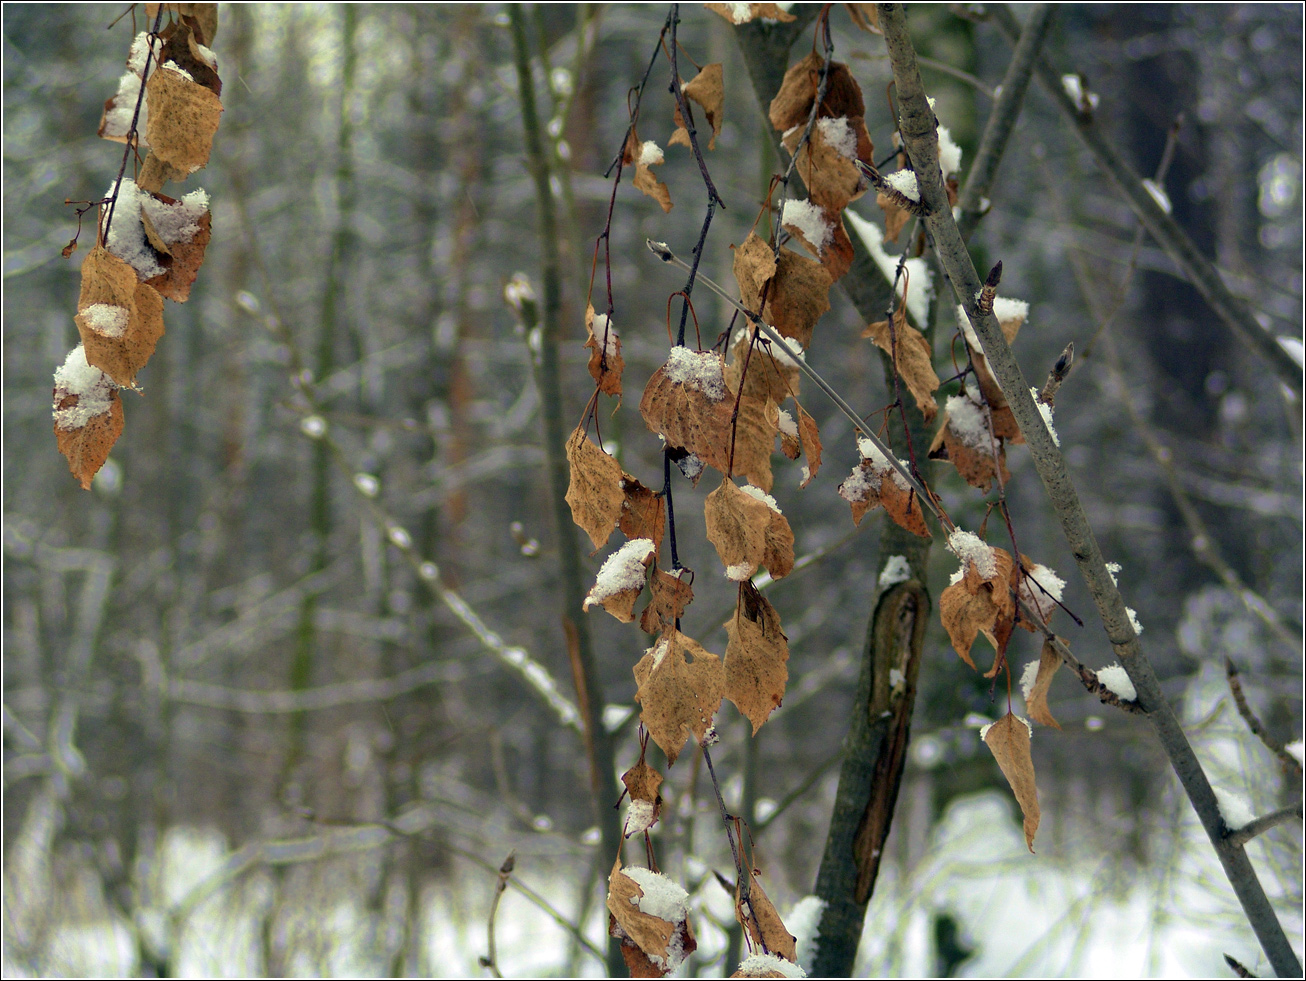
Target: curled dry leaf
[
  {"x": 707, "y": 89},
  {"x": 650, "y": 915},
  {"x": 1008, "y": 739},
  {"x": 798, "y": 296},
  {"x": 875, "y": 483},
  {"x": 182, "y": 122},
  {"x": 691, "y": 408},
  {"x": 827, "y": 162},
  {"x": 756, "y": 656},
  {"x": 974, "y": 604},
  {"x": 606, "y": 363},
  {"x": 643, "y": 513},
  {"x": 793, "y": 102},
  {"x": 671, "y": 593},
  {"x": 109, "y": 281},
  {"x": 181, "y": 48},
  {"x": 765, "y": 929},
  {"x": 680, "y": 688},
  {"x": 966, "y": 440},
  {"x": 1036, "y": 702},
  {"x": 88, "y": 416},
  {"x": 621, "y": 579},
  {"x": 754, "y": 266},
  {"x": 645, "y": 155},
  {"x": 642, "y": 783},
  {"x": 595, "y": 493},
  {"x": 747, "y": 533},
  {"x": 912, "y": 358},
  {"x": 180, "y": 229}
]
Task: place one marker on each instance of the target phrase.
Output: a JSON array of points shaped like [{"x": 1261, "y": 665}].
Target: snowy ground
[{"x": 1081, "y": 913}]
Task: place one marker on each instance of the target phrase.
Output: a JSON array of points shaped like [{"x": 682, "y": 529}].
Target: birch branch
[{"x": 918, "y": 127}]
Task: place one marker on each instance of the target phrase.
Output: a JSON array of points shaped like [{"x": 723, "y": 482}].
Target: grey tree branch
[
  {"x": 1263, "y": 824},
  {"x": 1002, "y": 118},
  {"x": 598, "y": 742},
  {"x": 918, "y": 127},
  {"x": 1162, "y": 227}
]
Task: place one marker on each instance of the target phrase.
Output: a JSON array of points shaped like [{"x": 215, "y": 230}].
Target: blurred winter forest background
[{"x": 247, "y": 726}]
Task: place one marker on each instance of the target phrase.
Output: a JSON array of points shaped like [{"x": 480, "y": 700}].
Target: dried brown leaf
[
  {"x": 707, "y": 88},
  {"x": 680, "y": 687},
  {"x": 1008, "y": 738},
  {"x": 737, "y": 525},
  {"x": 828, "y": 165},
  {"x": 754, "y": 266},
  {"x": 182, "y": 122},
  {"x": 689, "y": 416},
  {"x": 756, "y": 672},
  {"x": 595, "y": 493},
  {"x": 971, "y": 453},
  {"x": 974, "y": 605},
  {"x": 621, "y": 579},
  {"x": 765, "y": 928},
  {"x": 606, "y": 362},
  {"x": 185, "y": 243},
  {"x": 643, "y": 513},
  {"x": 912, "y": 357},
  {"x": 798, "y": 296},
  {"x": 1037, "y": 701},
  {"x": 642, "y": 783},
  {"x": 120, "y": 356},
  {"x": 671, "y": 593},
  {"x": 87, "y": 446},
  {"x": 793, "y": 102},
  {"x": 651, "y": 946},
  {"x": 873, "y": 485}
]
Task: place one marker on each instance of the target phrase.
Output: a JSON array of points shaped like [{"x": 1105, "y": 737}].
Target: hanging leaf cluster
[{"x": 149, "y": 246}]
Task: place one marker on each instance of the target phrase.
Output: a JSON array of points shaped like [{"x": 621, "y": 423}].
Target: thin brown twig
[
  {"x": 505, "y": 874},
  {"x": 1253, "y": 721}
]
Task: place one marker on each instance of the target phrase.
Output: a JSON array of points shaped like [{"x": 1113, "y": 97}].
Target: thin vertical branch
[
  {"x": 1160, "y": 224},
  {"x": 1002, "y": 118},
  {"x": 602, "y": 763},
  {"x": 920, "y": 137}
]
